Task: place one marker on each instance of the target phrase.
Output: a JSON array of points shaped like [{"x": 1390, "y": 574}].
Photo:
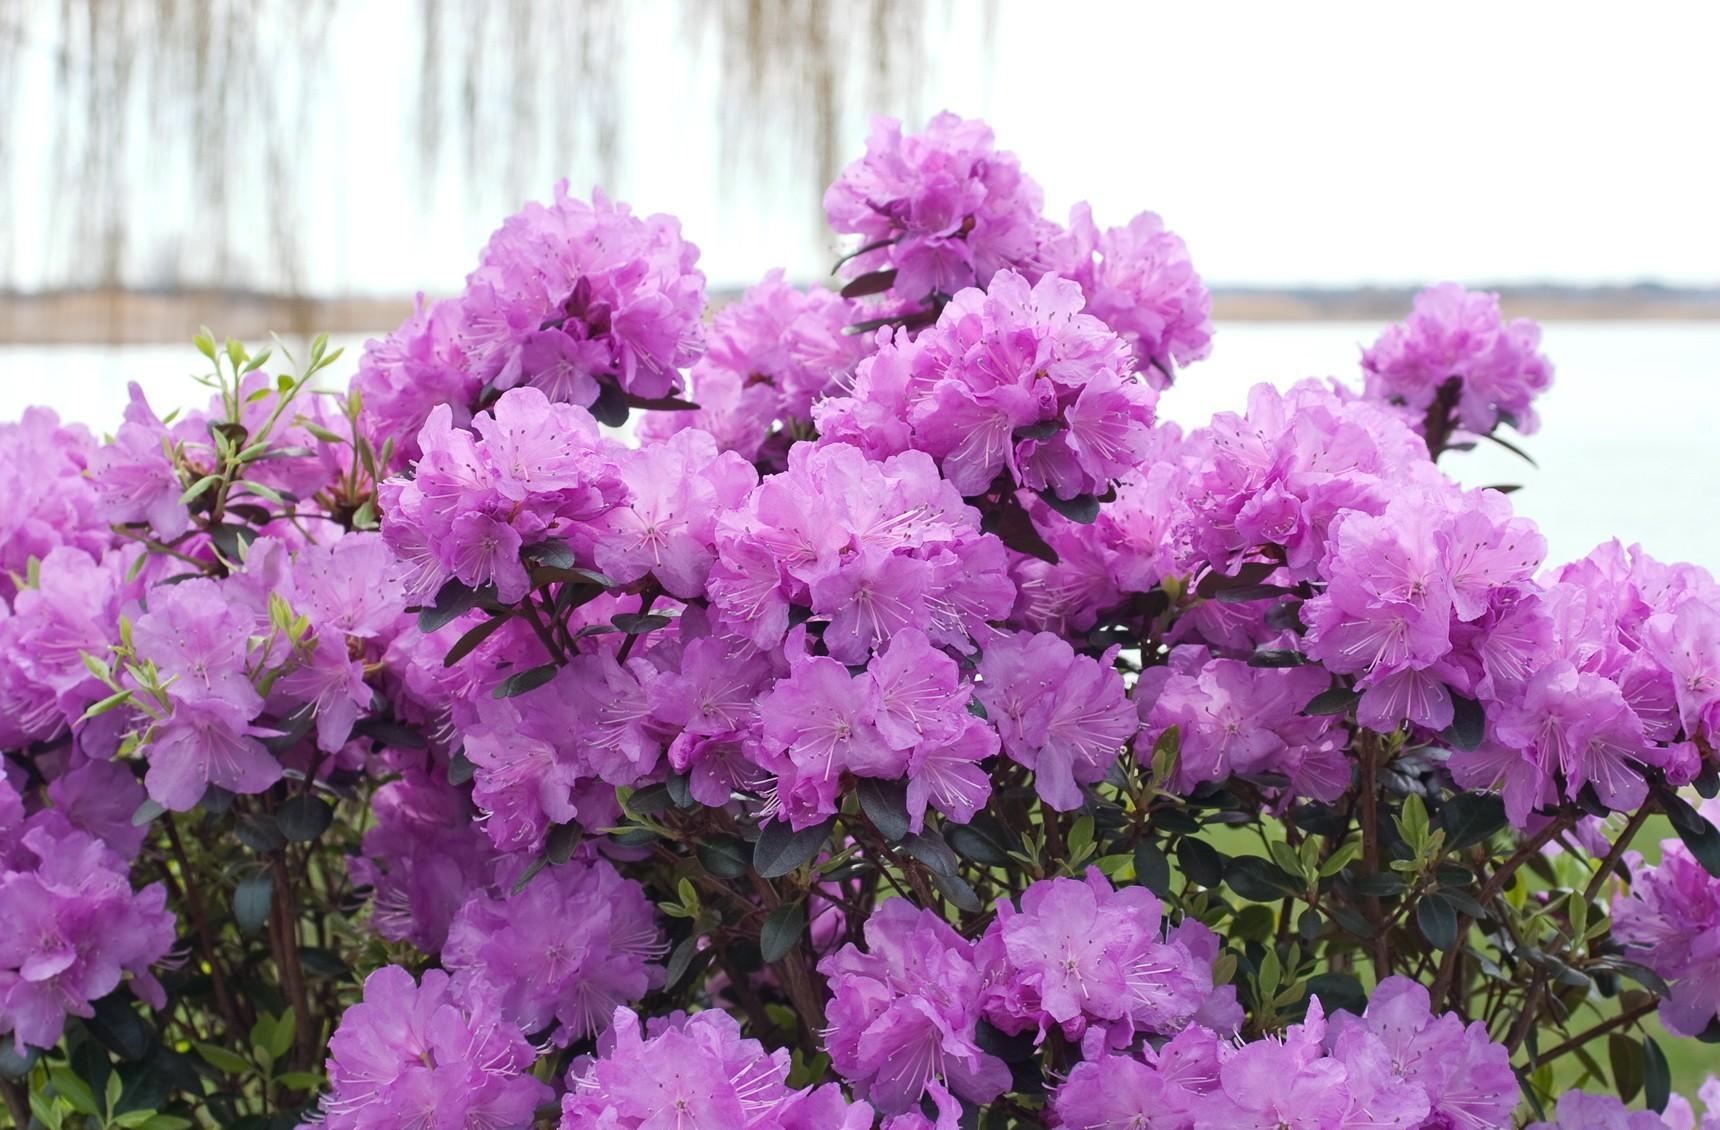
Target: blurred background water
[{"x": 1625, "y": 449}]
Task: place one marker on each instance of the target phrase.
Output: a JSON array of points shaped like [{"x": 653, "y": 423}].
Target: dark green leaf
[
  {"x": 661, "y": 403},
  {"x": 1471, "y": 818},
  {"x": 396, "y": 735},
  {"x": 1338, "y": 990},
  {"x": 610, "y": 409},
  {"x": 780, "y": 849},
  {"x": 1656, "y": 1076},
  {"x": 146, "y": 812},
  {"x": 460, "y": 768},
  {"x": 782, "y": 931},
  {"x": 1083, "y": 508},
  {"x": 559, "y": 845},
  {"x": 680, "y": 790},
  {"x": 1381, "y": 884},
  {"x": 251, "y": 901},
  {"x": 1259, "y": 879},
  {"x": 14, "y": 1065},
  {"x": 1338, "y": 700},
  {"x": 319, "y": 962},
  {"x": 1276, "y": 657},
  {"x": 1152, "y": 869},
  {"x": 638, "y": 624},
  {"x": 259, "y": 832},
  {"x": 1247, "y": 594},
  {"x": 1701, "y": 837},
  {"x": 522, "y": 681},
  {"x": 231, "y": 539},
  {"x": 303, "y": 818},
  {"x": 1253, "y": 573},
  {"x": 959, "y": 893},
  {"x": 1010, "y": 1049},
  {"x": 1200, "y": 862},
  {"x": 1468, "y": 724},
  {"x": 724, "y": 856},
  {"x": 1625, "y": 1057},
  {"x": 453, "y": 600},
  {"x": 930, "y": 849},
  {"x": 874, "y": 282},
  {"x": 469, "y": 642},
  {"x": 1437, "y": 919},
  {"x": 1014, "y": 528},
  {"x": 686, "y": 958},
  {"x": 1041, "y": 429},
  {"x": 885, "y": 803},
  {"x": 980, "y": 842}
]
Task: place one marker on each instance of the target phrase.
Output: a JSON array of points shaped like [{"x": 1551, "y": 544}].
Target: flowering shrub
[{"x": 901, "y": 726}]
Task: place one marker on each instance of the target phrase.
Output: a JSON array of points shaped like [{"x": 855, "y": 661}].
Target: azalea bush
[{"x": 842, "y": 709}]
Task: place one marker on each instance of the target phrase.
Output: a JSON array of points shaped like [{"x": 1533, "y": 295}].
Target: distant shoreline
[{"x": 131, "y": 317}]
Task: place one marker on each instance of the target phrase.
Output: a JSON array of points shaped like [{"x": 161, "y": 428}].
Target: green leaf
[
  {"x": 467, "y": 643},
  {"x": 957, "y": 890},
  {"x": 1625, "y": 1056},
  {"x": 782, "y": 931},
  {"x": 223, "y": 1060},
  {"x": 73, "y": 1090},
  {"x": 1200, "y": 862},
  {"x": 1152, "y": 869},
  {"x": 1471, "y": 818},
  {"x": 1340, "y": 858},
  {"x": 1259, "y": 880},
  {"x": 980, "y": 841},
  {"x": 1656, "y": 1076},
  {"x": 1437, "y": 920},
  {"x": 146, "y": 813},
  {"x": 1083, "y": 508},
  {"x": 116, "y": 699},
  {"x": 723, "y": 856},
  {"x": 522, "y": 681},
  {"x": 300, "y": 1080},
  {"x": 930, "y": 849},
  {"x": 885, "y": 803},
  {"x": 303, "y": 818},
  {"x": 1468, "y": 724},
  {"x": 638, "y": 623},
  {"x": 453, "y": 600},
  {"x": 197, "y": 489},
  {"x": 780, "y": 849},
  {"x": 251, "y": 901},
  {"x": 1338, "y": 700},
  {"x": 1701, "y": 837}
]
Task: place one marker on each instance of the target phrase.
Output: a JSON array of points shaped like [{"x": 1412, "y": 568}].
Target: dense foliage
[{"x": 857, "y": 709}]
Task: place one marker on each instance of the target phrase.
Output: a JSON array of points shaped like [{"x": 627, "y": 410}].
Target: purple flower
[
  {"x": 696, "y": 1073},
  {"x": 403, "y": 376},
  {"x": 1139, "y": 281},
  {"x": 423, "y": 855},
  {"x": 134, "y": 479},
  {"x": 576, "y": 943},
  {"x": 943, "y": 209},
  {"x": 904, "y": 1015},
  {"x": 1080, "y": 956},
  {"x": 570, "y": 295},
  {"x": 1458, "y": 338},
  {"x": 1670, "y": 921},
  {"x": 1063, "y": 715},
  {"x": 75, "y": 929},
  {"x": 46, "y": 500},
  {"x": 419, "y": 1055}
]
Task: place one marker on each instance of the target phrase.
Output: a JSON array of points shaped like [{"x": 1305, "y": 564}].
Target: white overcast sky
[{"x": 1308, "y": 142}]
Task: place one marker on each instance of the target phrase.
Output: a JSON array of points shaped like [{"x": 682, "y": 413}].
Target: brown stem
[
  {"x": 1526, "y": 1018},
  {"x": 200, "y": 924},
  {"x": 16, "y": 1102},
  {"x": 285, "y": 933},
  {"x": 1623, "y": 1020},
  {"x": 1371, "y": 853},
  {"x": 1637, "y": 819}
]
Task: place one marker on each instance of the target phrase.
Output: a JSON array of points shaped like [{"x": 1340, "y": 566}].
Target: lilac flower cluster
[
  {"x": 49, "y": 500},
  {"x": 1094, "y": 963},
  {"x": 942, "y": 209},
  {"x": 697, "y": 1073},
  {"x": 418, "y": 1054},
  {"x": 1669, "y": 920},
  {"x": 1013, "y": 380},
  {"x": 568, "y": 298},
  {"x": 564, "y": 952},
  {"x": 1397, "y": 1064},
  {"x": 1138, "y": 280},
  {"x": 1579, "y": 1111},
  {"x": 770, "y": 356},
  {"x": 75, "y": 928},
  {"x": 1458, "y": 358}
]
